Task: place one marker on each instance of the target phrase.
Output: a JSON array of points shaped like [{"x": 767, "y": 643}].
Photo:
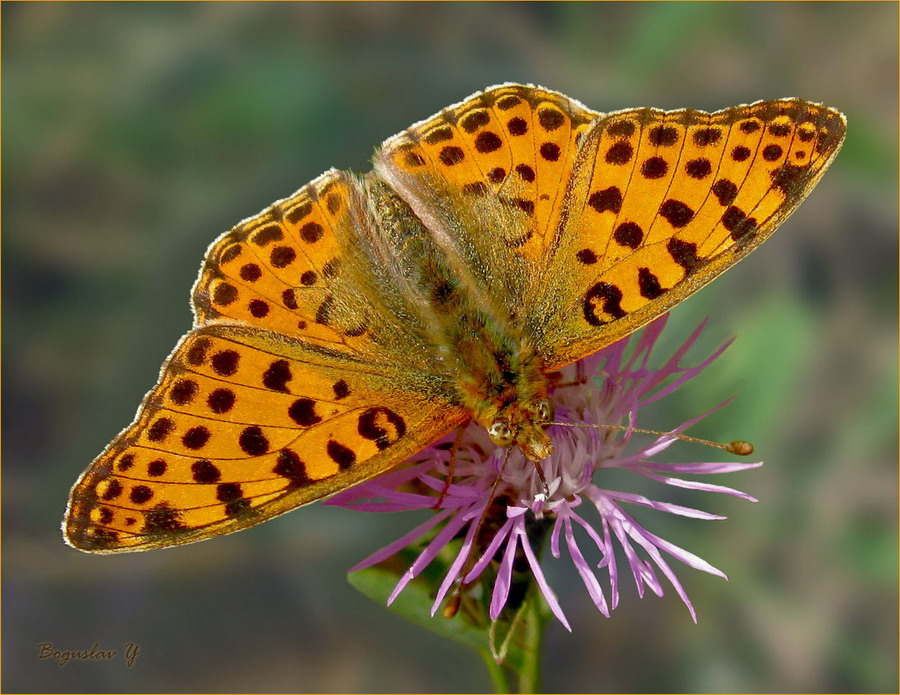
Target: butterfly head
[{"x": 524, "y": 424}]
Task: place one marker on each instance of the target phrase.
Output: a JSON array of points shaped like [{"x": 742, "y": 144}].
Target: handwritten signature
[{"x": 46, "y": 650}]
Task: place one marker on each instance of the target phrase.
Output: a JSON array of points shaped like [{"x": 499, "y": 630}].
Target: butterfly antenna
[
  {"x": 453, "y": 604},
  {"x": 738, "y": 447}
]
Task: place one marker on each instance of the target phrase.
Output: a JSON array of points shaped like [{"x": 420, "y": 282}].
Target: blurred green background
[{"x": 133, "y": 134}]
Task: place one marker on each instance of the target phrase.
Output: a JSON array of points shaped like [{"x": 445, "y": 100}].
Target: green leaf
[{"x": 414, "y": 604}]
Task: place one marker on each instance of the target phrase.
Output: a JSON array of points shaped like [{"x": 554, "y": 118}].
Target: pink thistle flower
[{"x": 607, "y": 388}]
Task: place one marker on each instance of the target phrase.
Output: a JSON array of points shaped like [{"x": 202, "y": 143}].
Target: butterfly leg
[
  {"x": 451, "y": 465},
  {"x": 556, "y": 378},
  {"x": 540, "y": 472}
]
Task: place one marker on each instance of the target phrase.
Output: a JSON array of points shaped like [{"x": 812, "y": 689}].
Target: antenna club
[{"x": 739, "y": 447}]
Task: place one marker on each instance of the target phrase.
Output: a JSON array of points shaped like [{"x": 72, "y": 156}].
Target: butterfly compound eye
[
  {"x": 544, "y": 410},
  {"x": 500, "y": 433}
]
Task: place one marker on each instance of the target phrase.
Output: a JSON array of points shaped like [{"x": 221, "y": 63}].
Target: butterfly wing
[
  {"x": 243, "y": 427},
  {"x": 306, "y": 372},
  {"x": 660, "y": 203},
  {"x": 487, "y": 178}
]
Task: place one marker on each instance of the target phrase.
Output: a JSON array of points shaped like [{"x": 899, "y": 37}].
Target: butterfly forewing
[
  {"x": 661, "y": 203},
  {"x": 488, "y": 176}
]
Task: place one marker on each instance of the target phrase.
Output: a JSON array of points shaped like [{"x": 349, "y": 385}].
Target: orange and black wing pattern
[{"x": 660, "y": 203}]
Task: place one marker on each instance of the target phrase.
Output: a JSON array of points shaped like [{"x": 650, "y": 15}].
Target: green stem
[
  {"x": 498, "y": 678},
  {"x": 530, "y": 675}
]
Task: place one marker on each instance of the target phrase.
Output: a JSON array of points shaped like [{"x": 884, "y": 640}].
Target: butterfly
[{"x": 353, "y": 324}]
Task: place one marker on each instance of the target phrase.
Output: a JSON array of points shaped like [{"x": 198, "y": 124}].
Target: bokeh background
[{"x": 133, "y": 134}]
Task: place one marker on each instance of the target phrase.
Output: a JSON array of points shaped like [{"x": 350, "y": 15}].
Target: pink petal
[
  {"x": 687, "y": 374},
  {"x": 624, "y": 527},
  {"x": 548, "y": 593},
  {"x": 704, "y": 468},
  {"x": 663, "y": 506},
  {"x": 455, "y": 568},
  {"x": 698, "y": 485},
  {"x": 404, "y": 502},
  {"x": 661, "y": 444},
  {"x": 670, "y": 575},
  {"x": 647, "y": 341},
  {"x": 671, "y": 364},
  {"x": 489, "y": 552},
  {"x": 587, "y": 575},
  {"x": 677, "y": 552},
  {"x": 437, "y": 543},
  {"x": 427, "y": 555},
  {"x": 399, "y": 544},
  {"x": 673, "y": 579},
  {"x": 702, "y": 416},
  {"x": 385, "y": 483},
  {"x": 503, "y": 582},
  {"x": 554, "y": 536},
  {"x": 602, "y": 545},
  {"x": 634, "y": 562},
  {"x": 465, "y": 491},
  {"x": 685, "y": 556},
  {"x": 613, "y": 567},
  {"x": 614, "y": 354}
]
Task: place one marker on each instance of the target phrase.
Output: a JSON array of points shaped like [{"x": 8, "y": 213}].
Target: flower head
[{"x": 499, "y": 484}]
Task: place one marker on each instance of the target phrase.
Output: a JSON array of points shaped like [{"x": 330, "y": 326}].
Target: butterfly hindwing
[{"x": 236, "y": 433}]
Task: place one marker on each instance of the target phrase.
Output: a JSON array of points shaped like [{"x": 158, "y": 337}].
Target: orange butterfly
[{"x": 356, "y": 322}]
